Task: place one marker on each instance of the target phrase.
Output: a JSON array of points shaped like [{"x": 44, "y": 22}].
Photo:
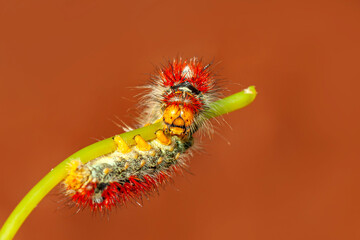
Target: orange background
[{"x": 67, "y": 69}]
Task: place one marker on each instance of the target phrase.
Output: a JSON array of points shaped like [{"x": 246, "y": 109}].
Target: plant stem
[{"x": 39, "y": 191}]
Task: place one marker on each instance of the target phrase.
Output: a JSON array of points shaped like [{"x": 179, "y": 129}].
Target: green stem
[{"x": 39, "y": 191}]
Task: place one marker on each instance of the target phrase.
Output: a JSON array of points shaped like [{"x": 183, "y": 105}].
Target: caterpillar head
[
  {"x": 178, "y": 114},
  {"x": 183, "y": 90},
  {"x": 179, "y": 94}
]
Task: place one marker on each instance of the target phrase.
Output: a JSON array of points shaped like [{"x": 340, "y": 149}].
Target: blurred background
[{"x": 68, "y": 71}]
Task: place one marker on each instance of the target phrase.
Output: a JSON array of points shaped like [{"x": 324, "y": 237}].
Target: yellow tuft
[{"x": 77, "y": 176}]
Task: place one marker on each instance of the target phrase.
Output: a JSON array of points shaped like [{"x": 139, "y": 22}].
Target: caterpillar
[{"x": 178, "y": 94}]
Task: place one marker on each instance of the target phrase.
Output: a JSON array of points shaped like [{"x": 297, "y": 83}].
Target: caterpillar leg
[
  {"x": 162, "y": 138},
  {"x": 121, "y": 145},
  {"x": 141, "y": 144}
]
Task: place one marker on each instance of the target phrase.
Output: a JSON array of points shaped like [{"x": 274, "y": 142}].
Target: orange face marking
[
  {"x": 188, "y": 116},
  {"x": 179, "y": 122},
  {"x": 177, "y": 131},
  {"x": 171, "y": 113},
  {"x": 178, "y": 119}
]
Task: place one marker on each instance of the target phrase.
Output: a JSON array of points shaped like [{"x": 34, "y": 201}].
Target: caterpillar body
[{"x": 178, "y": 95}]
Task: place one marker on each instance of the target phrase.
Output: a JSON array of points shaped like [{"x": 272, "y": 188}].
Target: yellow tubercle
[
  {"x": 159, "y": 160},
  {"x": 121, "y": 145},
  {"x": 141, "y": 144},
  {"x": 106, "y": 170},
  {"x": 152, "y": 153}
]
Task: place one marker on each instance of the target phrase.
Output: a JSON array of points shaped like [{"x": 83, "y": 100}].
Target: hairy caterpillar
[{"x": 178, "y": 95}]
